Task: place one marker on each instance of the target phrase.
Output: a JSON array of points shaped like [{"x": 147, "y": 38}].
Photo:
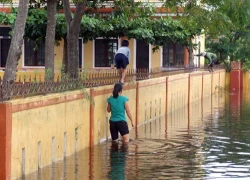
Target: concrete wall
[{"x": 44, "y": 129}]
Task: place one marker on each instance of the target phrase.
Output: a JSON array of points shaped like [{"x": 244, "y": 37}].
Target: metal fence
[{"x": 87, "y": 78}]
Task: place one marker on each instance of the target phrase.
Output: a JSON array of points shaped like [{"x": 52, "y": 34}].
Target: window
[
  {"x": 4, "y": 44},
  {"x": 168, "y": 55},
  {"x": 105, "y": 52},
  {"x": 34, "y": 55},
  {"x": 142, "y": 55},
  {"x": 173, "y": 55},
  {"x": 179, "y": 51}
]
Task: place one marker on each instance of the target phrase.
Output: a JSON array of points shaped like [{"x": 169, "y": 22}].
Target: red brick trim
[
  {"x": 47, "y": 102},
  {"x": 166, "y": 106},
  {"x": 5, "y": 140},
  {"x": 91, "y": 119},
  {"x": 153, "y": 82},
  {"x": 110, "y": 90},
  {"x": 175, "y": 79},
  {"x": 137, "y": 109}
]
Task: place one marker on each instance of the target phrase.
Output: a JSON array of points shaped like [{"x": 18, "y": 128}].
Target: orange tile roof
[{"x": 99, "y": 10}]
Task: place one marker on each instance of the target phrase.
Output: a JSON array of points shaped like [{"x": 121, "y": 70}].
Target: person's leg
[
  {"x": 122, "y": 127},
  {"x": 120, "y": 73},
  {"x": 118, "y": 62},
  {"x": 123, "y": 74},
  {"x": 211, "y": 65},
  {"x": 124, "y": 64},
  {"x": 113, "y": 131},
  {"x": 125, "y": 138}
]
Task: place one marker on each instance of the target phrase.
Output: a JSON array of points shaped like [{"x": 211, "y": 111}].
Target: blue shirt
[
  {"x": 124, "y": 50},
  {"x": 117, "y": 106}
]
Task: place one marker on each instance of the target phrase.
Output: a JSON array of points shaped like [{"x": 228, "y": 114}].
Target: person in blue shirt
[
  {"x": 118, "y": 105},
  {"x": 122, "y": 59}
]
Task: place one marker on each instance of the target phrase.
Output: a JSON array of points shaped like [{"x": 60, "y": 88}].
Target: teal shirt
[{"x": 117, "y": 108}]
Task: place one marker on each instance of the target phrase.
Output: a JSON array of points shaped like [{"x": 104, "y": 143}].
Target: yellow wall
[
  {"x": 132, "y": 53},
  {"x": 155, "y": 58},
  {"x": 207, "y": 84},
  {"x": 154, "y": 105},
  {"x": 38, "y": 119},
  {"x": 29, "y": 127},
  {"x": 177, "y": 92},
  {"x": 59, "y": 56},
  {"x": 200, "y": 40},
  {"x": 196, "y": 88},
  {"x": 88, "y": 55}
]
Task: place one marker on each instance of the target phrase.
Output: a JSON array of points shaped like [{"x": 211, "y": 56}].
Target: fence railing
[{"x": 29, "y": 86}]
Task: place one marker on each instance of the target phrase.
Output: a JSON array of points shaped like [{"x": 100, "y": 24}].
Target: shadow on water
[{"x": 210, "y": 139}]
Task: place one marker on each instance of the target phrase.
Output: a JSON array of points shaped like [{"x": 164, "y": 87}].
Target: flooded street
[{"x": 210, "y": 139}]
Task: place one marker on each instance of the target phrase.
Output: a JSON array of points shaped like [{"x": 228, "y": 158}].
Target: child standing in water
[{"x": 117, "y": 105}]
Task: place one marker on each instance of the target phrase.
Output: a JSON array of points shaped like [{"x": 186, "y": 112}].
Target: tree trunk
[
  {"x": 73, "y": 53},
  {"x": 73, "y": 29},
  {"x": 15, "y": 46},
  {"x": 50, "y": 40}
]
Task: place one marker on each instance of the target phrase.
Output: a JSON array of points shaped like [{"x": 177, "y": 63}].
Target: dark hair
[
  {"x": 125, "y": 43},
  {"x": 117, "y": 89}
]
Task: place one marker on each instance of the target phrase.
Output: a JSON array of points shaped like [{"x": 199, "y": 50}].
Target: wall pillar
[
  {"x": 92, "y": 106},
  {"x": 166, "y": 106},
  {"x": 5, "y": 140},
  {"x": 137, "y": 110},
  {"x": 236, "y": 83},
  {"x": 186, "y": 57}
]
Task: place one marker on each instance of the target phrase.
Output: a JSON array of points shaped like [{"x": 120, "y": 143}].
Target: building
[{"x": 99, "y": 54}]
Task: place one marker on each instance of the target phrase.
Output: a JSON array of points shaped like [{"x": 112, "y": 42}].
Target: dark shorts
[
  {"x": 118, "y": 126},
  {"x": 213, "y": 62},
  {"x": 211, "y": 65},
  {"x": 121, "y": 61}
]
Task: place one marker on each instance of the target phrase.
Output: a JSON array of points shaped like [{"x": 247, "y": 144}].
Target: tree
[
  {"x": 129, "y": 19},
  {"x": 50, "y": 39},
  {"x": 224, "y": 22},
  {"x": 234, "y": 42},
  {"x": 73, "y": 30},
  {"x": 15, "y": 46}
]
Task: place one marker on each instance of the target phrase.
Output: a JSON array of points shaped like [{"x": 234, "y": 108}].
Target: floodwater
[{"x": 209, "y": 139}]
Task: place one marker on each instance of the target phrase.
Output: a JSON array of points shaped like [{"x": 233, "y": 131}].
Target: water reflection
[
  {"x": 202, "y": 141},
  {"x": 117, "y": 161}
]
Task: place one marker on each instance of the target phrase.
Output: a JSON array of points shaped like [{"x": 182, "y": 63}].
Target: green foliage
[
  {"x": 48, "y": 74},
  {"x": 36, "y": 24},
  {"x": 246, "y": 66},
  {"x": 154, "y": 31},
  {"x": 131, "y": 9},
  {"x": 5, "y": 1},
  {"x": 129, "y": 18},
  {"x": 234, "y": 43},
  {"x": 225, "y": 23},
  {"x": 7, "y": 19}
]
